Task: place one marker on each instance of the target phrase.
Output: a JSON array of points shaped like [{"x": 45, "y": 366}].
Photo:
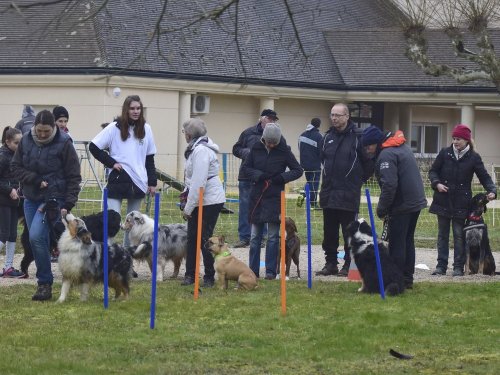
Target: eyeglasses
[{"x": 338, "y": 114}]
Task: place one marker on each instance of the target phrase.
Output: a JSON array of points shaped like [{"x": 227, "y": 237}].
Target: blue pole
[
  {"x": 375, "y": 244},
  {"x": 309, "y": 237},
  {"x": 105, "y": 247},
  {"x": 155, "y": 259},
  {"x": 224, "y": 170}
]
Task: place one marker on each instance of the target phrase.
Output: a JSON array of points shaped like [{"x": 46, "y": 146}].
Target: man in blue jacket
[{"x": 310, "y": 157}]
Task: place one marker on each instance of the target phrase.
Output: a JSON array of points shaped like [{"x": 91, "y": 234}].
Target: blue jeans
[
  {"x": 443, "y": 244},
  {"x": 244, "y": 229},
  {"x": 272, "y": 247},
  {"x": 132, "y": 205},
  {"x": 402, "y": 242},
  {"x": 39, "y": 232},
  {"x": 313, "y": 177}
]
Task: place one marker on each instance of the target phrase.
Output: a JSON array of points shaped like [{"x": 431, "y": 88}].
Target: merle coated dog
[
  {"x": 94, "y": 223},
  {"x": 478, "y": 256}
]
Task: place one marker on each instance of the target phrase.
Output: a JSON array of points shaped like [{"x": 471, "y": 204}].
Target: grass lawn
[{"x": 331, "y": 329}]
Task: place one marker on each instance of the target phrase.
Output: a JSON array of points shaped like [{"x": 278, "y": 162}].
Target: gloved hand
[
  {"x": 264, "y": 176},
  {"x": 278, "y": 180}
]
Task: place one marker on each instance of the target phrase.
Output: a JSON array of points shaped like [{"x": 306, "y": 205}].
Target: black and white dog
[
  {"x": 172, "y": 242},
  {"x": 81, "y": 261},
  {"x": 478, "y": 256},
  {"x": 363, "y": 250},
  {"x": 94, "y": 223}
]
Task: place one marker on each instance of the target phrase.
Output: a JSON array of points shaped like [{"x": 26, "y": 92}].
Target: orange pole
[
  {"x": 198, "y": 245},
  {"x": 282, "y": 260}
]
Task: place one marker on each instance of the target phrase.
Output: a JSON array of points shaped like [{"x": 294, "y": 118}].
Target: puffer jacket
[
  {"x": 345, "y": 168},
  {"x": 242, "y": 147},
  {"x": 265, "y": 195},
  {"x": 401, "y": 186},
  {"x": 202, "y": 170},
  {"x": 7, "y": 178},
  {"x": 56, "y": 162},
  {"x": 457, "y": 176}
]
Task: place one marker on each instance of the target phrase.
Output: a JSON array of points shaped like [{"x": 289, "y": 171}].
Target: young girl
[{"x": 9, "y": 201}]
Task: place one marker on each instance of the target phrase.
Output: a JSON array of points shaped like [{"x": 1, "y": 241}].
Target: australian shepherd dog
[
  {"x": 172, "y": 242},
  {"x": 363, "y": 250},
  {"x": 81, "y": 261}
]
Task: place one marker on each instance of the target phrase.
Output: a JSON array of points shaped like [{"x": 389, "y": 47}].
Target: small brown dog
[
  {"x": 292, "y": 247},
  {"x": 230, "y": 268}
]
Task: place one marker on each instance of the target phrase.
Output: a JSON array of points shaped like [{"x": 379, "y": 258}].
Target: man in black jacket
[
  {"x": 241, "y": 149},
  {"x": 345, "y": 168}
]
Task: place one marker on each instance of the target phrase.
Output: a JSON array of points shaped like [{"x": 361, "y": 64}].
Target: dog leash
[{"x": 266, "y": 186}]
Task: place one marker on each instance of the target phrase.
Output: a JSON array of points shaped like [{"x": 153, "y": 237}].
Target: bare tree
[{"x": 467, "y": 24}]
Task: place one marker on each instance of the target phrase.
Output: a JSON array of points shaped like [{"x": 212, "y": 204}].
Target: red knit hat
[{"x": 461, "y": 131}]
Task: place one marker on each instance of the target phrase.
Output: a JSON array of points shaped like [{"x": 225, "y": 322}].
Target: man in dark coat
[
  {"x": 241, "y": 149},
  {"x": 266, "y": 166},
  {"x": 310, "y": 157},
  {"x": 345, "y": 169},
  {"x": 402, "y": 195}
]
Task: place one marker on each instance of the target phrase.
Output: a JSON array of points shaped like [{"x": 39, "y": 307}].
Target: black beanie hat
[
  {"x": 316, "y": 122},
  {"x": 59, "y": 112}
]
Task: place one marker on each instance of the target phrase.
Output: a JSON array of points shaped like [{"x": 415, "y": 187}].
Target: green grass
[{"x": 331, "y": 329}]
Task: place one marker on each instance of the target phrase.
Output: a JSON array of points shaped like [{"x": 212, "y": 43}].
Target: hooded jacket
[
  {"x": 267, "y": 170},
  {"x": 457, "y": 176},
  {"x": 27, "y": 119},
  {"x": 396, "y": 170},
  {"x": 56, "y": 162},
  {"x": 202, "y": 170},
  {"x": 345, "y": 168}
]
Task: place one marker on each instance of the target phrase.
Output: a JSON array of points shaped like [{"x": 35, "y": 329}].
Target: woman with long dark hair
[{"x": 131, "y": 149}]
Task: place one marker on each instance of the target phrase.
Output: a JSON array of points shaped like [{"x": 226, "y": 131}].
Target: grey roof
[
  {"x": 376, "y": 58},
  {"x": 340, "y": 53}
]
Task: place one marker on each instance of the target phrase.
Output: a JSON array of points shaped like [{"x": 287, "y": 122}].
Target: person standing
[
  {"x": 47, "y": 166},
  {"x": 61, "y": 115},
  {"x": 266, "y": 166},
  {"x": 345, "y": 168},
  {"x": 451, "y": 176},
  {"x": 402, "y": 195},
  {"x": 201, "y": 170},
  {"x": 131, "y": 147},
  {"x": 310, "y": 157},
  {"x": 241, "y": 149},
  {"x": 9, "y": 201},
  {"x": 27, "y": 119}
]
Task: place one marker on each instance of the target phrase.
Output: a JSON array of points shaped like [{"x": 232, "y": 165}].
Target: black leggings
[{"x": 8, "y": 223}]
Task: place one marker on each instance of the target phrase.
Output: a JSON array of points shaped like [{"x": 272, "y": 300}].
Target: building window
[
  {"x": 366, "y": 114},
  {"x": 426, "y": 138}
]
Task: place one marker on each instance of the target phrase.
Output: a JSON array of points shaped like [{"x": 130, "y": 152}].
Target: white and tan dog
[
  {"x": 230, "y": 268},
  {"x": 172, "y": 242}
]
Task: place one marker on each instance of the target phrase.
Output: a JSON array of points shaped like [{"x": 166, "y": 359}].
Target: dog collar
[
  {"x": 224, "y": 254},
  {"x": 474, "y": 218}
]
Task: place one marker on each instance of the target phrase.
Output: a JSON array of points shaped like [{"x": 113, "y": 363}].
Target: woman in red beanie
[{"x": 451, "y": 177}]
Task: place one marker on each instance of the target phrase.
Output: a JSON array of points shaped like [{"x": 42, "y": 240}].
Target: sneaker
[
  {"x": 43, "y": 293},
  {"x": 13, "y": 273},
  {"x": 458, "y": 272},
  {"x": 188, "y": 280},
  {"x": 328, "y": 270},
  {"x": 241, "y": 243},
  {"x": 439, "y": 272},
  {"x": 270, "y": 277}
]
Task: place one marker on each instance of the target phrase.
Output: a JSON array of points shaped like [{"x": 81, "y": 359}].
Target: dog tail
[
  {"x": 393, "y": 289},
  {"x": 142, "y": 251}
]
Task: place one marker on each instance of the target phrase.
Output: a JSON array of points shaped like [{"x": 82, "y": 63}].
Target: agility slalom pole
[
  {"x": 198, "y": 245},
  {"x": 309, "y": 237},
  {"x": 375, "y": 244},
  {"x": 155, "y": 261},
  {"x": 283, "y": 255},
  {"x": 105, "y": 247}
]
